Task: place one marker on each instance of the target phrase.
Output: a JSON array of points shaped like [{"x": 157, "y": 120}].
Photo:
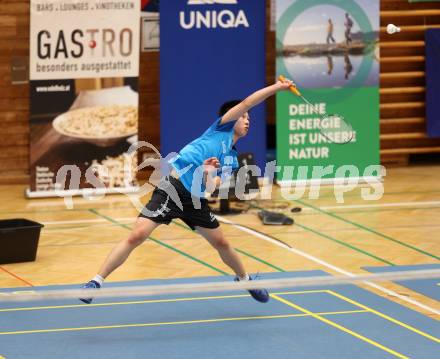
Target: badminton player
[{"x": 196, "y": 168}]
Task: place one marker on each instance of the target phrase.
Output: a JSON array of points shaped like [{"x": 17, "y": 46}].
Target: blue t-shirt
[{"x": 216, "y": 141}]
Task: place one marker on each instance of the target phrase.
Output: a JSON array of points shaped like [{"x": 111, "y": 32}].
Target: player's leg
[
  {"x": 140, "y": 232},
  {"x": 228, "y": 254},
  {"x": 230, "y": 257},
  {"x": 157, "y": 211}
]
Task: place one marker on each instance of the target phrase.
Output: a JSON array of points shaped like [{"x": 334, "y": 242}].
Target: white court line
[
  {"x": 380, "y": 205},
  {"x": 291, "y": 249},
  {"x": 328, "y": 265},
  {"x": 352, "y": 206},
  {"x": 98, "y": 220}
]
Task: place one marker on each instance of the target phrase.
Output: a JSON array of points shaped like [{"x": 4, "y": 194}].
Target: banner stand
[
  {"x": 196, "y": 43},
  {"x": 331, "y": 181},
  {"x": 84, "y": 97},
  {"x": 330, "y": 49}
]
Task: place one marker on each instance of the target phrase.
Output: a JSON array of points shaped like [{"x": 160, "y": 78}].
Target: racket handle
[{"x": 292, "y": 88}]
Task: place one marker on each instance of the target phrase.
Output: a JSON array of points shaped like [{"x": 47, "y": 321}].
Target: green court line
[
  {"x": 94, "y": 211},
  {"x": 189, "y": 256},
  {"x": 238, "y": 250},
  {"x": 322, "y": 235},
  {"x": 260, "y": 260},
  {"x": 184, "y": 226},
  {"x": 206, "y": 264},
  {"x": 368, "y": 229},
  {"x": 342, "y": 243},
  {"x": 187, "y": 228},
  {"x": 85, "y": 226},
  {"x": 345, "y": 244},
  {"x": 116, "y": 223}
]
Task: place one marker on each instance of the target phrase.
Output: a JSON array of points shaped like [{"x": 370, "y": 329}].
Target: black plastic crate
[{"x": 18, "y": 240}]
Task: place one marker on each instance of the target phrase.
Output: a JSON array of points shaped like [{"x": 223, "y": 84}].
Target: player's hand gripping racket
[{"x": 333, "y": 127}]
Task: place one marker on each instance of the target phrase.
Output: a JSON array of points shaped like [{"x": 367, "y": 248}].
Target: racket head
[{"x": 336, "y": 129}]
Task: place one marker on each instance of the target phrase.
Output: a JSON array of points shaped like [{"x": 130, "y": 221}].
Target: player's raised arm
[{"x": 256, "y": 98}]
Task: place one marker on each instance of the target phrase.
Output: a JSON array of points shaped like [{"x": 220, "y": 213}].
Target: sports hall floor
[{"x": 383, "y": 320}]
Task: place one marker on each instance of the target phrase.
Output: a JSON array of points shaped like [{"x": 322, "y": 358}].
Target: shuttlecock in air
[{"x": 391, "y": 29}]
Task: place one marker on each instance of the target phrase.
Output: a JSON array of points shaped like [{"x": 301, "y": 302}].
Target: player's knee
[
  {"x": 221, "y": 244},
  {"x": 136, "y": 238}
]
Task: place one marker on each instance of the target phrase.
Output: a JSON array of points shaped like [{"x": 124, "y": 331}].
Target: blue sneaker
[
  {"x": 261, "y": 295},
  {"x": 90, "y": 285}
]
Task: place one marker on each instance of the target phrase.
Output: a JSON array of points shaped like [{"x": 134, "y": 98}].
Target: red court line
[{"x": 16, "y": 276}]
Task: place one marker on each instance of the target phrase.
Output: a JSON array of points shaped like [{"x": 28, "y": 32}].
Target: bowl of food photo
[{"x": 100, "y": 125}]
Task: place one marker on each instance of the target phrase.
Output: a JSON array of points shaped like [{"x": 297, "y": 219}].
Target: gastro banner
[
  {"x": 330, "y": 49},
  {"x": 210, "y": 52},
  {"x": 84, "y": 66}
]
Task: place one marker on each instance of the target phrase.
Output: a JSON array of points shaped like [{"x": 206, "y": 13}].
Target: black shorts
[{"x": 163, "y": 209}]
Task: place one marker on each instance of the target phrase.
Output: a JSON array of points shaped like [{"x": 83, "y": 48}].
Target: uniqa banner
[
  {"x": 330, "y": 49},
  {"x": 84, "y": 67},
  {"x": 210, "y": 52},
  {"x": 432, "y": 56}
]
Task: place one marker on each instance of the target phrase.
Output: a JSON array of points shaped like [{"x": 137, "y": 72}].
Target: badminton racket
[{"x": 335, "y": 128}]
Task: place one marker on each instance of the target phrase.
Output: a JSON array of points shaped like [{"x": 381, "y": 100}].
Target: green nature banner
[{"x": 329, "y": 48}]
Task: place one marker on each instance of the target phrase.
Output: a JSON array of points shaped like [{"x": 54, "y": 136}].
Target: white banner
[{"x": 84, "y": 39}]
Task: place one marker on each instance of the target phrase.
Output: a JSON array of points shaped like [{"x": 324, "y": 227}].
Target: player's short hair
[{"x": 227, "y": 106}]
